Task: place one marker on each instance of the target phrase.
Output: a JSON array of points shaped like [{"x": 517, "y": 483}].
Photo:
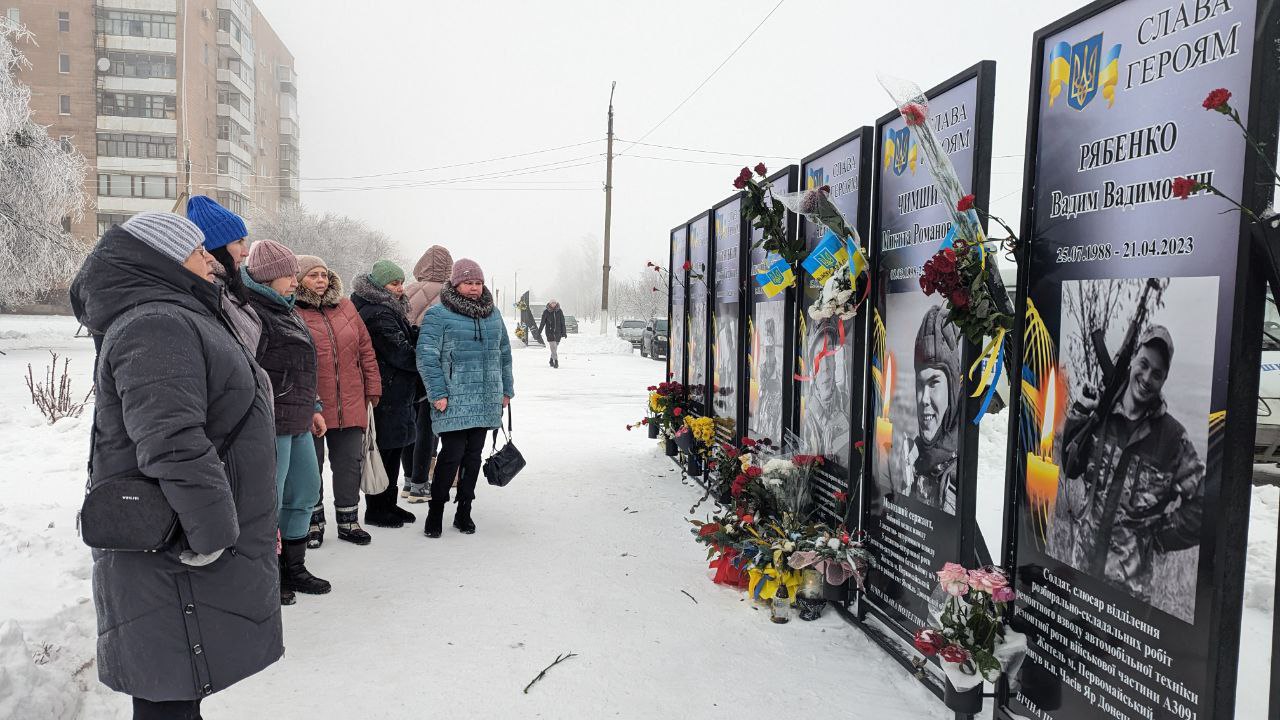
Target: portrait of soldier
[
  {"x": 927, "y": 467},
  {"x": 1135, "y": 483}
]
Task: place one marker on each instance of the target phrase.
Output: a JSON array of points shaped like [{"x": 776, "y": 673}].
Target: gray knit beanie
[{"x": 171, "y": 235}]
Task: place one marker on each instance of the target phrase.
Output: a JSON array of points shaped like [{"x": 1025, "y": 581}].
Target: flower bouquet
[
  {"x": 764, "y": 210},
  {"x": 723, "y": 535},
  {"x": 726, "y": 462},
  {"x": 972, "y": 641},
  {"x": 835, "y": 555}
]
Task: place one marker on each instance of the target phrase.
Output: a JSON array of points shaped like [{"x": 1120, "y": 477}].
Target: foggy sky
[{"x": 396, "y": 85}]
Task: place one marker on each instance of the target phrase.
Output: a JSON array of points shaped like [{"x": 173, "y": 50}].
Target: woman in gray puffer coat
[{"x": 173, "y": 384}]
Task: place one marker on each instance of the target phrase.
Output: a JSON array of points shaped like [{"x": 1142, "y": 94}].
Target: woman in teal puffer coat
[{"x": 464, "y": 357}]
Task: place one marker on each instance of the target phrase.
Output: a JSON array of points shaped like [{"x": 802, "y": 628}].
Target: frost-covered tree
[
  {"x": 41, "y": 184},
  {"x": 347, "y": 245}
]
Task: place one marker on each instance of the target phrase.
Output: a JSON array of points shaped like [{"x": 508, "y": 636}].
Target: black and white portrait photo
[
  {"x": 766, "y": 418},
  {"x": 925, "y": 403},
  {"x": 725, "y": 382},
  {"x": 1132, "y": 449},
  {"x": 825, "y": 424}
]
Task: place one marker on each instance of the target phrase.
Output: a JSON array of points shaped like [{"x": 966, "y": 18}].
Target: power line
[
  {"x": 711, "y": 152},
  {"x": 707, "y": 79}
]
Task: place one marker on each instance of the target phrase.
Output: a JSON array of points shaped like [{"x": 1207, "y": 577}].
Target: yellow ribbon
[
  {"x": 987, "y": 356},
  {"x": 772, "y": 579}
]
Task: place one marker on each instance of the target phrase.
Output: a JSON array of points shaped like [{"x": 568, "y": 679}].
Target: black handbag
[
  {"x": 130, "y": 512},
  {"x": 503, "y": 465}
]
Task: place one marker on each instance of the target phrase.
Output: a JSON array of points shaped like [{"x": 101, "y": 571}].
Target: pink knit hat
[
  {"x": 464, "y": 270},
  {"x": 269, "y": 260}
]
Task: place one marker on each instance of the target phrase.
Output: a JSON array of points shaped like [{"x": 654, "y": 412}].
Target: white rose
[
  {"x": 728, "y": 529},
  {"x": 834, "y": 543}
]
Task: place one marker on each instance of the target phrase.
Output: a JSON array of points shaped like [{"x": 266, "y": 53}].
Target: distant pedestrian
[
  {"x": 431, "y": 273},
  {"x": 289, "y": 357},
  {"x": 173, "y": 386},
  {"x": 226, "y": 239},
  {"x": 552, "y": 327},
  {"x": 379, "y": 296},
  {"x": 348, "y": 381},
  {"x": 464, "y": 356}
]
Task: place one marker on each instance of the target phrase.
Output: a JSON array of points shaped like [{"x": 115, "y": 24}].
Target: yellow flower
[
  {"x": 703, "y": 429},
  {"x": 657, "y": 403}
]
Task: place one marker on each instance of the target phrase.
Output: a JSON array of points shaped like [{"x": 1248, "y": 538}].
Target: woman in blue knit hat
[{"x": 226, "y": 239}]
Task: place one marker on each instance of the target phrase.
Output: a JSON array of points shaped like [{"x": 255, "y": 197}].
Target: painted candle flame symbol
[
  {"x": 1050, "y": 408},
  {"x": 888, "y": 385}
]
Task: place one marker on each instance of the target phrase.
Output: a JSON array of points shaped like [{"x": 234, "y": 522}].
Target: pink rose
[
  {"x": 1003, "y": 594},
  {"x": 987, "y": 582},
  {"x": 954, "y": 579}
]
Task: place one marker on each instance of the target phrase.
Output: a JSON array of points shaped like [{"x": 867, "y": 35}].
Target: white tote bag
[{"x": 373, "y": 476}]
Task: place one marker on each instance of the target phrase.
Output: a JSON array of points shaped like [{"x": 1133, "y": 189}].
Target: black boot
[
  {"x": 293, "y": 571},
  {"x": 378, "y": 512},
  {"x": 349, "y": 529},
  {"x": 287, "y": 597},
  {"x": 315, "y": 535},
  {"x": 462, "y": 518},
  {"x": 405, "y": 516},
  {"x": 435, "y": 518}
]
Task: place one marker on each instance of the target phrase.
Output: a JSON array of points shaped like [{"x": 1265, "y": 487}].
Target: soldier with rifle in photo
[{"x": 1135, "y": 485}]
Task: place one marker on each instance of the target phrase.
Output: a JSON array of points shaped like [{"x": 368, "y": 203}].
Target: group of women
[{"x": 223, "y": 366}]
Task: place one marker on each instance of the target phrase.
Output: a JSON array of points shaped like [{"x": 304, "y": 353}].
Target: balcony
[
  {"x": 149, "y": 126},
  {"x": 231, "y": 183},
  {"x": 235, "y": 150},
  {"x": 289, "y": 132},
  {"x": 234, "y": 113},
  {"x": 234, "y": 80},
  {"x": 288, "y": 80},
  {"x": 290, "y": 188},
  {"x": 239, "y": 8},
  {"x": 229, "y": 46}
]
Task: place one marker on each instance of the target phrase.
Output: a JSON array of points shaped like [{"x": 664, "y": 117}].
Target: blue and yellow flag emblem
[
  {"x": 900, "y": 151},
  {"x": 830, "y": 254},
  {"x": 815, "y": 178},
  {"x": 775, "y": 275},
  {"x": 1083, "y": 70}
]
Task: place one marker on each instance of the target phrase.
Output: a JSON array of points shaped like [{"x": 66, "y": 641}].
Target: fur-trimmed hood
[
  {"x": 331, "y": 298},
  {"x": 378, "y": 295}
]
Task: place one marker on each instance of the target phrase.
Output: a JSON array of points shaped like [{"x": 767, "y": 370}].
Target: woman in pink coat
[{"x": 347, "y": 380}]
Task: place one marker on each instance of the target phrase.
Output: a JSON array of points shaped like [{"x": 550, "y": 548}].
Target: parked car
[
  {"x": 571, "y": 324},
  {"x": 632, "y": 331},
  {"x": 653, "y": 343},
  {"x": 1266, "y": 443}
]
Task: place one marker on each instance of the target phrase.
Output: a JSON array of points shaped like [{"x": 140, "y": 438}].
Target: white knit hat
[{"x": 171, "y": 235}]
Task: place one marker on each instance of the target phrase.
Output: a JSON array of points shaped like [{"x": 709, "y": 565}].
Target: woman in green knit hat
[{"x": 379, "y": 297}]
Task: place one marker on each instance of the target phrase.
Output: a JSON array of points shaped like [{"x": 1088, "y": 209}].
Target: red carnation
[
  {"x": 761, "y": 170},
  {"x": 1182, "y": 187},
  {"x": 748, "y": 442},
  {"x": 688, "y": 264},
  {"x": 966, "y": 203},
  {"x": 841, "y": 496},
  {"x": 1217, "y": 100},
  {"x": 739, "y": 484},
  {"x": 960, "y": 298},
  {"x": 748, "y": 519},
  {"x": 914, "y": 114},
  {"x": 652, "y": 388},
  {"x": 954, "y": 654},
  {"x": 754, "y": 472},
  {"x": 929, "y": 641},
  {"x": 644, "y": 421},
  {"x": 677, "y": 412}
]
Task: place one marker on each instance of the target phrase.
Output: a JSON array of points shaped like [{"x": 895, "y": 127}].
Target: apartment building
[{"x": 165, "y": 97}]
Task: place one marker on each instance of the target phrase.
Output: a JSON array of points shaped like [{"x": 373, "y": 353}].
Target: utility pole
[{"x": 608, "y": 217}]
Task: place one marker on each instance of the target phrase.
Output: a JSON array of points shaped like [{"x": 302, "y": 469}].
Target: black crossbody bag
[
  {"x": 130, "y": 512},
  {"x": 503, "y": 465}
]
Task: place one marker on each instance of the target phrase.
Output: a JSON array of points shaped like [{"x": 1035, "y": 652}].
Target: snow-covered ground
[{"x": 587, "y": 551}]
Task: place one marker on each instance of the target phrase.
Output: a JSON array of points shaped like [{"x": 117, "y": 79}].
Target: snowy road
[{"x": 586, "y": 551}]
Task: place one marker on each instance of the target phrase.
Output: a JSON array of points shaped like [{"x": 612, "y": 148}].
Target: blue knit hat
[{"x": 221, "y": 226}]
